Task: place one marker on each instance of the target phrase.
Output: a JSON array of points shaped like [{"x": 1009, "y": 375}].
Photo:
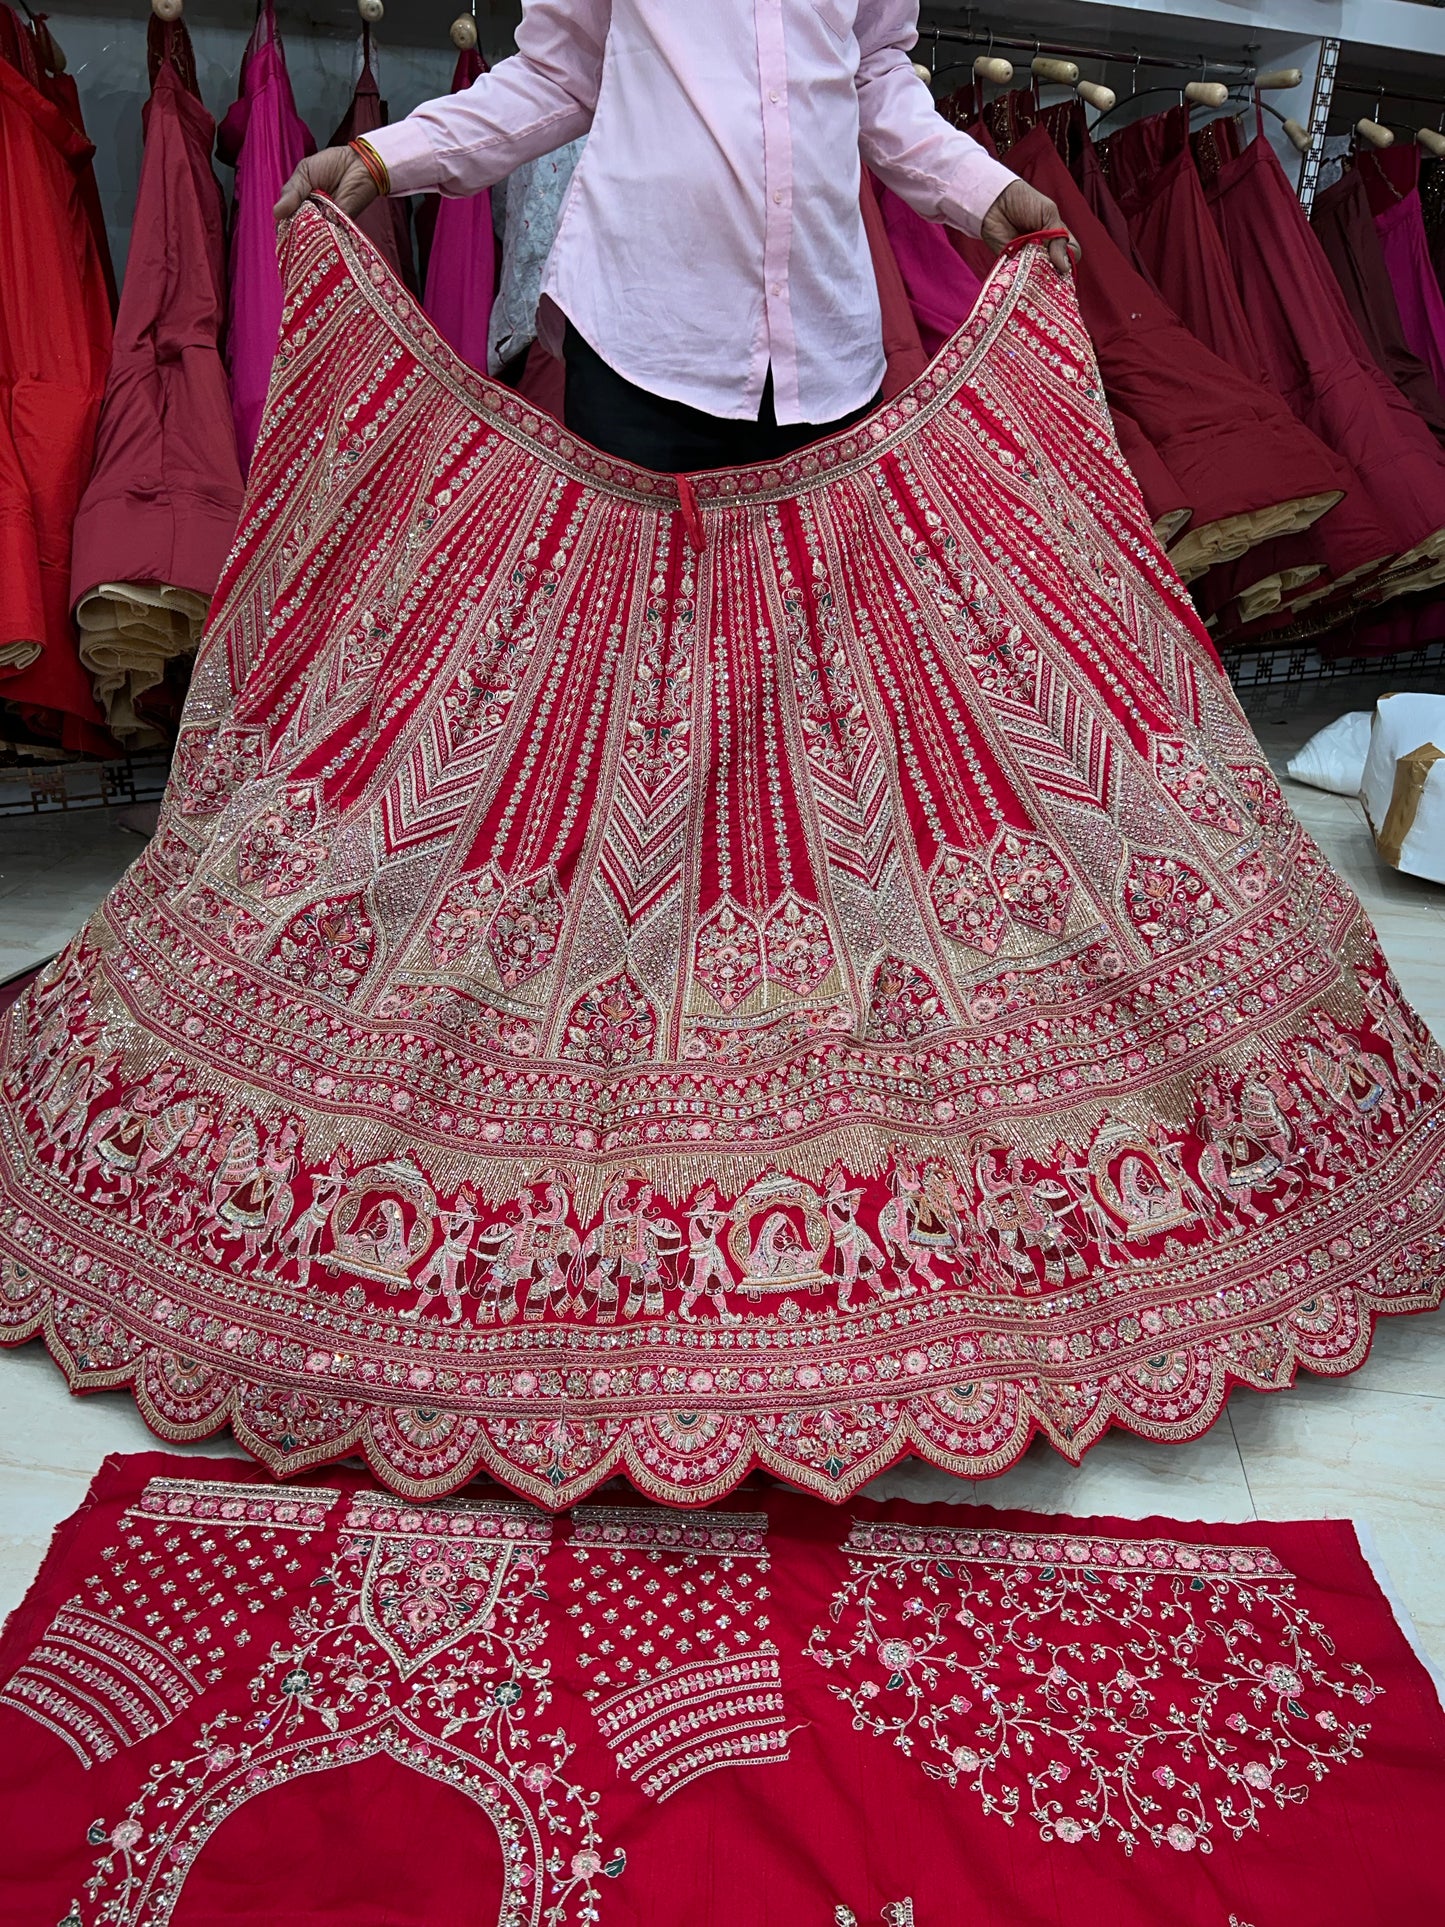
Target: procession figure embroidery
[{"x": 798, "y": 972}]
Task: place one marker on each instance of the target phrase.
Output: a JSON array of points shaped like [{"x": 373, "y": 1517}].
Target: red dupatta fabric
[
  {"x": 318, "y": 1705},
  {"x": 800, "y": 967}
]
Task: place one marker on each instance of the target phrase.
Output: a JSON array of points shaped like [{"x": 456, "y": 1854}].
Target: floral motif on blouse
[{"x": 1147, "y": 1690}]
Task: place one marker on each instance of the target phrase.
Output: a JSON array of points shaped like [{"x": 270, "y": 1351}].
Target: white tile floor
[{"x": 1370, "y": 1447}]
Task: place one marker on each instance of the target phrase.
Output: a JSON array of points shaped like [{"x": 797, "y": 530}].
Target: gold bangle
[{"x": 372, "y": 162}]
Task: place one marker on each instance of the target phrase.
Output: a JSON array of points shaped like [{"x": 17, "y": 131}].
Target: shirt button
[
  {"x": 772, "y": 93},
  {"x": 778, "y": 195},
  {"x": 775, "y": 290}
]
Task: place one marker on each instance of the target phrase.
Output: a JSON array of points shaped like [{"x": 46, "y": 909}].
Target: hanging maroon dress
[
  {"x": 1234, "y": 447},
  {"x": 1153, "y": 168},
  {"x": 1324, "y": 370},
  {"x": 1392, "y": 181},
  {"x": 461, "y": 253},
  {"x": 386, "y": 222},
  {"x": 55, "y": 334},
  {"x": 264, "y": 139},
  {"x": 160, "y": 509},
  {"x": 1343, "y": 220}
]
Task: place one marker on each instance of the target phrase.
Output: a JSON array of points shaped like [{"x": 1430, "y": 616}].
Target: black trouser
[{"x": 608, "y": 411}]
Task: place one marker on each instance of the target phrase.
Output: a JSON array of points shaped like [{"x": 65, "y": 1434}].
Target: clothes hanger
[{"x": 463, "y": 31}]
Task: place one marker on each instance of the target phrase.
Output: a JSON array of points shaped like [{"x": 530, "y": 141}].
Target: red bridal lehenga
[{"x": 796, "y": 967}]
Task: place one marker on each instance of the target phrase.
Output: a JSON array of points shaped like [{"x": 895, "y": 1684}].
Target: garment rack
[{"x": 1199, "y": 66}]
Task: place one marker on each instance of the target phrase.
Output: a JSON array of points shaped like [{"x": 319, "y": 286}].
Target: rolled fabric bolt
[
  {"x": 925, "y": 74},
  {"x": 463, "y": 31},
  {"x": 1373, "y": 134},
  {"x": 1273, "y": 79},
  {"x": 1104, "y": 98},
  {"x": 1299, "y": 137},
  {"x": 1046, "y": 68},
  {"x": 991, "y": 67},
  {"x": 370, "y": 11},
  {"x": 1206, "y": 93},
  {"x": 167, "y": 9},
  {"x": 1431, "y": 139}
]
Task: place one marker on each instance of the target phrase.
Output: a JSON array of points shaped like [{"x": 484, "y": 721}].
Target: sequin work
[{"x": 597, "y": 1002}]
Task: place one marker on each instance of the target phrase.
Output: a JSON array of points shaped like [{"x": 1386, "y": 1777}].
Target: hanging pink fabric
[
  {"x": 386, "y": 223},
  {"x": 940, "y": 284},
  {"x": 461, "y": 269},
  {"x": 1392, "y": 179},
  {"x": 160, "y": 508},
  {"x": 263, "y": 138},
  {"x": 905, "y": 357}
]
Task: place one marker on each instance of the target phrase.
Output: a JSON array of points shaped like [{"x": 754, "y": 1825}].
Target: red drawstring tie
[
  {"x": 1043, "y": 237},
  {"x": 691, "y": 514}
]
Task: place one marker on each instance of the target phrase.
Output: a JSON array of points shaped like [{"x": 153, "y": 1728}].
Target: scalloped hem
[{"x": 648, "y": 1450}]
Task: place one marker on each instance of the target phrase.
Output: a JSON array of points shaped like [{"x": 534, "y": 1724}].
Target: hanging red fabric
[
  {"x": 263, "y": 138},
  {"x": 159, "y": 511},
  {"x": 1343, "y": 220},
  {"x": 386, "y": 222},
  {"x": 1324, "y": 370},
  {"x": 55, "y": 337},
  {"x": 457, "y": 248}
]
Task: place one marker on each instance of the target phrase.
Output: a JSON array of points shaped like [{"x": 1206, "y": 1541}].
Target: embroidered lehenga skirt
[{"x": 798, "y": 968}]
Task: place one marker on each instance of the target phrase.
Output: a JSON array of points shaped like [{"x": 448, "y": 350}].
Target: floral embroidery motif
[
  {"x": 122, "y": 1660},
  {"x": 1200, "y": 791},
  {"x": 1032, "y": 881},
  {"x": 965, "y": 902},
  {"x": 525, "y": 927},
  {"x": 326, "y": 948},
  {"x": 1170, "y": 903},
  {"x": 613, "y": 1024},
  {"x": 1152, "y": 1691},
  {"x": 728, "y": 955},
  {"x": 212, "y": 765},
  {"x": 282, "y": 851},
  {"x": 905, "y": 1003},
  {"x": 796, "y": 944},
  {"x": 461, "y": 919},
  {"x": 898, "y": 1913},
  {"x": 681, "y": 1675},
  {"x": 422, "y": 1640}
]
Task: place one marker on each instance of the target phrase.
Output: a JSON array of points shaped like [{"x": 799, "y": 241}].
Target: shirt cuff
[
  {"x": 406, "y": 151},
  {"x": 972, "y": 192}
]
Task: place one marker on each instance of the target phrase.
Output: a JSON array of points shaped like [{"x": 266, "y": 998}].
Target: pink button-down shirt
[{"x": 712, "y": 228}]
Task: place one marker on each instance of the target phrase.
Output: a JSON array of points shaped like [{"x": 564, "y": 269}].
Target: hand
[
  {"x": 1021, "y": 209},
  {"x": 335, "y": 171}
]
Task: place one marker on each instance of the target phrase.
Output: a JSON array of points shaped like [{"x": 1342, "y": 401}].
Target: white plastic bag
[{"x": 1334, "y": 757}]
